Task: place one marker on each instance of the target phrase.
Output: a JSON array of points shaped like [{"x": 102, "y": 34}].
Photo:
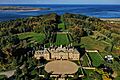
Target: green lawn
[
  {"x": 96, "y": 59},
  {"x": 32, "y": 36},
  {"x": 85, "y": 61},
  {"x": 39, "y": 37},
  {"x": 61, "y": 26},
  {"x": 88, "y": 74},
  {"x": 62, "y": 39},
  {"x": 90, "y": 43},
  {"x": 91, "y": 75}
]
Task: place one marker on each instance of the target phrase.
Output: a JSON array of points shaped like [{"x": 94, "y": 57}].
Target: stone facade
[{"x": 58, "y": 53}]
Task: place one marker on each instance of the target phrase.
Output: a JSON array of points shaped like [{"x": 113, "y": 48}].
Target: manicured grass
[
  {"x": 91, "y": 75},
  {"x": 62, "y": 39},
  {"x": 61, "y": 26},
  {"x": 88, "y": 74},
  {"x": 96, "y": 59},
  {"x": 32, "y": 36},
  {"x": 85, "y": 61},
  {"x": 90, "y": 43}
]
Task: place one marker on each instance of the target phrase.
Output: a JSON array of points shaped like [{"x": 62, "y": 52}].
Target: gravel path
[{"x": 61, "y": 67}]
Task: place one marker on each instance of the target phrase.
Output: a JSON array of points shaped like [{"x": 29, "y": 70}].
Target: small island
[{"x": 20, "y": 8}]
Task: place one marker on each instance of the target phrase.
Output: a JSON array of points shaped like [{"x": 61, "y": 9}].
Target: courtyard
[{"x": 61, "y": 67}]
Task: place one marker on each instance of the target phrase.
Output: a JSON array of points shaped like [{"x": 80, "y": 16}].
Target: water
[{"x": 100, "y": 11}]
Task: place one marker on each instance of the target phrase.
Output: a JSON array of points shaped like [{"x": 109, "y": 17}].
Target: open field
[
  {"x": 65, "y": 39},
  {"x": 96, "y": 59},
  {"x": 61, "y": 26},
  {"x": 90, "y": 43},
  {"x": 85, "y": 60},
  {"x": 38, "y": 37},
  {"x": 91, "y": 75},
  {"x": 62, "y": 39},
  {"x": 87, "y": 72}
]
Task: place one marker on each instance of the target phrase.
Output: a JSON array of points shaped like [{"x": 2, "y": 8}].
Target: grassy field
[
  {"x": 90, "y": 43},
  {"x": 88, "y": 73},
  {"x": 61, "y": 26},
  {"x": 85, "y": 61},
  {"x": 96, "y": 59},
  {"x": 62, "y": 39},
  {"x": 91, "y": 75},
  {"x": 37, "y": 37}
]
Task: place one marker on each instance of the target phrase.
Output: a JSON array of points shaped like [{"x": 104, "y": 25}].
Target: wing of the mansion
[{"x": 61, "y": 52}]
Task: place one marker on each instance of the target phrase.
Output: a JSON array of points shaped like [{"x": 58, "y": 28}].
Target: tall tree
[{"x": 77, "y": 33}]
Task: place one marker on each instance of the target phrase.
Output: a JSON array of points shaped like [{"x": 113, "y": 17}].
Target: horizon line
[{"x": 55, "y": 4}]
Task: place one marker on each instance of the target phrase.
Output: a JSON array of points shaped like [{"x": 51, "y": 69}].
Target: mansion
[{"x": 57, "y": 53}]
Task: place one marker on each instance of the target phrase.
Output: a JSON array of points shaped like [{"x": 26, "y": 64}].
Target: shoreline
[
  {"x": 110, "y": 19},
  {"x": 19, "y": 10}
]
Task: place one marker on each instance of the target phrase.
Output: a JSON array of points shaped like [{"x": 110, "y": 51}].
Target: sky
[{"x": 59, "y": 1}]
